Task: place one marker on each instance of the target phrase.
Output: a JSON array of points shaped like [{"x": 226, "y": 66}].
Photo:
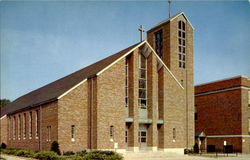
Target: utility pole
[{"x": 169, "y": 4}]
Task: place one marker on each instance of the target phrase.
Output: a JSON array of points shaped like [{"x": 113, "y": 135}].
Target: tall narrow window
[
  {"x": 73, "y": 133},
  {"x": 182, "y": 44},
  {"x": 14, "y": 127},
  {"x": 37, "y": 123},
  {"x": 142, "y": 99},
  {"x": 9, "y": 127},
  {"x": 126, "y": 136},
  {"x": 19, "y": 126},
  {"x": 248, "y": 98},
  {"x": 195, "y": 113},
  {"x": 30, "y": 125},
  {"x": 158, "y": 43},
  {"x": 48, "y": 133},
  {"x": 126, "y": 83},
  {"x": 248, "y": 125},
  {"x": 24, "y": 126},
  {"x": 111, "y": 132},
  {"x": 174, "y": 134}
]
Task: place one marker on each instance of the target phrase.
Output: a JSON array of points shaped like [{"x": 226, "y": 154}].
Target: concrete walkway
[
  {"x": 10, "y": 157},
  {"x": 173, "y": 156}
]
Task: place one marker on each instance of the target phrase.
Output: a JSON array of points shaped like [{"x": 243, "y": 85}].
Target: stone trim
[
  {"x": 229, "y": 136},
  {"x": 221, "y": 90}
]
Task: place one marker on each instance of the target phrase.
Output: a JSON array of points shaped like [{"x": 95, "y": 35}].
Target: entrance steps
[{"x": 148, "y": 155}]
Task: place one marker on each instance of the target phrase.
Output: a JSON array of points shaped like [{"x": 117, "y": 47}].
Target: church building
[{"x": 141, "y": 98}]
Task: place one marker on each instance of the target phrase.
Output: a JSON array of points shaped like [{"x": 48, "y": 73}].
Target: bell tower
[{"x": 172, "y": 40}]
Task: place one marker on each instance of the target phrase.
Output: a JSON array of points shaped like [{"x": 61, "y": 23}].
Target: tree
[{"x": 4, "y": 102}]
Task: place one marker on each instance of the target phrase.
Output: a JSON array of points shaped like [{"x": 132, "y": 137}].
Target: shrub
[
  {"x": 102, "y": 155},
  {"x": 81, "y": 153},
  {"x": 55, "y": 147},
  {"x": 46, "y": 155},
  {"x": 3, "y": 146},
  {"x": 68, "y": 153},
  {"x": 25, "y": 153},
  {"x": 9, "y": 151}
]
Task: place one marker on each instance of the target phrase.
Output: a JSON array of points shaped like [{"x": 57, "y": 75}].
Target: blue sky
[{"x": 42, "y": 41}]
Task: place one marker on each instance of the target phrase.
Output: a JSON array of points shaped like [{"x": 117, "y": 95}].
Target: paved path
[
  {"x": 10, "y": 157},
  {"x": 172, "y": 156},
  {"x": 156, "y": 156}
]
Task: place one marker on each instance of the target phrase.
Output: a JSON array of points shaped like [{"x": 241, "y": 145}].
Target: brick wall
[
  {"x": 222, "y": 108},
  {"x": 3, "y": 129},
  {"x": 111, "y": 106}
]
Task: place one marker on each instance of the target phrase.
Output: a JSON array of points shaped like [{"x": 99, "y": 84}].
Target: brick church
[{"x": 141, "y": 98}]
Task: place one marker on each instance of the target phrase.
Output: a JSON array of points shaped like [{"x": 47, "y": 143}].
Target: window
[
  {"x": 174, "y": 134},
  {"x": 142, "y": 99},
  {"x": 14, "y": 128},
  {"x": 111, "y": 133},
  {"x": 9, "y": 127},
  {"x": 30, "y": 125},
  {"x": 158, "y": 43},
  {"x": 19, "y": 126},
  {"x": 142, "y": 136},
  {"x": 48, "y": 133},
  {"x": 126, "y": 83},
  {"x": 24, "y": 126},
  {"x": 195, "y": 113},
  {"x": 249, "y": 125},
  {"x": 248, "y": 98},
  {"x": 182, "y": 44},
  {"x": 126, "y": 136},
  {"x": 37, "y": 121},
  {"x": 73, "y": 133}
]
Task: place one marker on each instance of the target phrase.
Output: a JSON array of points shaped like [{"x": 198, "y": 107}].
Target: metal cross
[
  {"x": 141, "y": 30},
  {"x": 169, "y": 3}
]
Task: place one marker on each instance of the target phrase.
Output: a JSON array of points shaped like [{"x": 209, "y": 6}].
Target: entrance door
[{"x": 142, "y": 137}]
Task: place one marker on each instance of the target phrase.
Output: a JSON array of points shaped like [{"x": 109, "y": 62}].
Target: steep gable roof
[
  {"x": 170, "y": 19},
  {"x": 60, "y": 87},
  {"x": 52, "y": 91}
]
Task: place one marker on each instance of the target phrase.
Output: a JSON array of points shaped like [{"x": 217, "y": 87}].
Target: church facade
[{"x": 141, "y": 98}]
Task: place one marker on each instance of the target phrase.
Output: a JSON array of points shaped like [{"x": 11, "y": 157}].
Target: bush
[
  {"x": 46, "y": 155},
  {"x": 55, "y": 147},
  {"x": 25, "y": 153},
  {"x": 68, "y": 153},
  {"x": 3, "y": 146},
  {"x": 102, "y": 155},
  {"x": 9, "y": 151},
  {"x": 196, "y": 148},
  {"x": 81, "y": 153}
]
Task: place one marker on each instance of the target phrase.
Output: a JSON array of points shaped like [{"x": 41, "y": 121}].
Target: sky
[{"x": 42, "y": 41}]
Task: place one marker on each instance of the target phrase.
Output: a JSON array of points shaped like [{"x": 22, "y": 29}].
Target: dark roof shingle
[{"x": 52, "y": 91}]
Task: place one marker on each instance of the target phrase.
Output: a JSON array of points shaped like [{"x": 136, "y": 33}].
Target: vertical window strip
[
  {"x": 19, "y": 126},
  {"x": 142, "y": 89},
  {"x": 30, "y": 125},
  {"x": 159, "y": 43},
  {"x": 126, "y": 83},
  {"x": 14, "y": 128},
  {"x": 182, "y": 44},
  {"x": 9, "y": 127},
  {"x": 48, "y": 133},
  {"x": 37, "y": 121},
  {"x": 174, "y": 133},
  {"x": 24, "y": 126},
  {"x": 111, "y": 133},
  {"x": 73, "y": 133}
]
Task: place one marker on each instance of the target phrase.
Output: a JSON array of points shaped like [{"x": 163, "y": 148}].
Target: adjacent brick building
[
  {"x": 141, "y": 98},
  {"x": 223, "y": 113}
]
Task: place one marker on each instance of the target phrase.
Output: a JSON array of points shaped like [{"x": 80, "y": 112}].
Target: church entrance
[{"x": 142, "y": 137}]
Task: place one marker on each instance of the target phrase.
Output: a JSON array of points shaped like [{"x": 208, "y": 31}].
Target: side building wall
[
  {"x": 73, "y": 119},
  {"x": 36, "y": 136}
]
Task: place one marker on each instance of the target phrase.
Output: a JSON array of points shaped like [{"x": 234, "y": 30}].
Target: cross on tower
[
  {"x": 141, "y": 30},
  {"x": 169, "y": 4}
]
